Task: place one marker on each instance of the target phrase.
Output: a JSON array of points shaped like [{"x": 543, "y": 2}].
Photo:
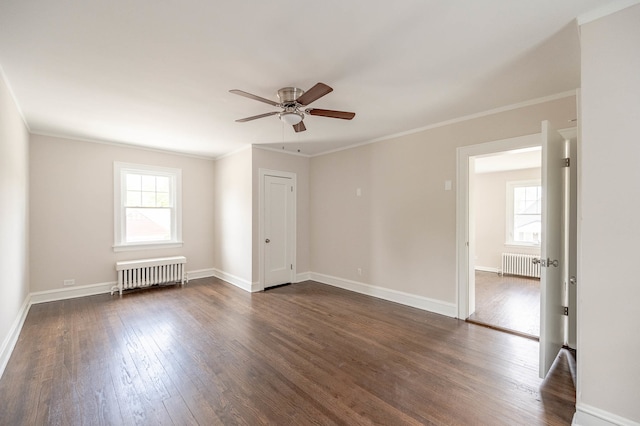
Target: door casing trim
[{"x": 464, "y": 154}]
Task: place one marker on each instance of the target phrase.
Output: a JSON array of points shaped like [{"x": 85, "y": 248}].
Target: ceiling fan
[{"x": 292, "y": 101}]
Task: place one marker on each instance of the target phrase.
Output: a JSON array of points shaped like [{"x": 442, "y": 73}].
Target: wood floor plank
[
  {"x": 508, "y": 302},
  {"x": 210, "y": 353}
]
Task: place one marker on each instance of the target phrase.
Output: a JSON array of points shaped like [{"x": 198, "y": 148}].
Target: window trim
[
  {"x": 120, "y": 170},
  {"x": 511, "y": 185}
]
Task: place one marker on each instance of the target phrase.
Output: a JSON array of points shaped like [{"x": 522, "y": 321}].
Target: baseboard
[
  {"x": 415, "y": 301},
  {"x": 236, "y": 281},
  {"x": 487, "y": 269},
  {"x": 12, "y": 337},
  {"x": 586, "y": 415},
  {"x": 70, "y": 292},
  {"x": 252, "y": 287},
  {"x": 303, "y": 276},
  {"x": 201, "y": 273}
]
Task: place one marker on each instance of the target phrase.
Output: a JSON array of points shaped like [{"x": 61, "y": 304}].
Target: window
[
  {"x": 147, "y": 207},
  {"x": 524, "y": 213}
]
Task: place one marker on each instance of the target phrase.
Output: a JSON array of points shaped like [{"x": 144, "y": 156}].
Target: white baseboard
[
  {"x": 93, "y": 289},
  {"x": 237, "y": 281},
  {"x": 201, "y": 273},
  {"x": 70, "y": 292},
  {"x": 14, "y": 333},
  {"x": 415, "y": 301},
  {"x": 487, "y": 269},
  {"x": 303, "y": 276},
  {"x": 586, "y": 415}
]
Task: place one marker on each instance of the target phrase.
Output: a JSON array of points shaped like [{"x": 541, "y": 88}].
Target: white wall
[
  {"x": 71, "y": 214},
  {"x": 233, "y": 218},
  {"x": 14, "y": 192},
  {"x": 608, "y": 286},
  {"x": 490, "y": 194},
  {"x": 266, "y": 159},
  {"x": 401, "y": 232}
]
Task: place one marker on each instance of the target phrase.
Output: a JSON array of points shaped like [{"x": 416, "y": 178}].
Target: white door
[
  {"x": 278, "y": 230},
  {"x": 552, "y": 248}
]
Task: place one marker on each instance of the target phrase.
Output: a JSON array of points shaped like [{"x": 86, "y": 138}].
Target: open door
[{"x": 552, "y": 322}]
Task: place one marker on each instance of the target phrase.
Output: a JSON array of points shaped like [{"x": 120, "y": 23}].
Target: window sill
[
  {"x": 147, "y": 246},
  {"x": 520, "y": 245}
]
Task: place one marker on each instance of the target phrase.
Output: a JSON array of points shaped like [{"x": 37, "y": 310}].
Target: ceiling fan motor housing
[{"x": 288, "y": 95}]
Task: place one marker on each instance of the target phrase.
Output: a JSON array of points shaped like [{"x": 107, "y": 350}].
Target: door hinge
[
  {"x": 566, "y": 162},
  {"x": 292, "y": 266},
  {"x": 292, "y": 189},
  {"x": 565, "y": 310}
]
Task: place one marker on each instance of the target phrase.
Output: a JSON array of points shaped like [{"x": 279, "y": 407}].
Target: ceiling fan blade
[
  {"x": 255, "y": 117},
  {"x": 300, "y": 127},
  {"x": 316, "y": 92},
  {"x": 330, "y": 113},
  {"x": 254, "y": 97}
]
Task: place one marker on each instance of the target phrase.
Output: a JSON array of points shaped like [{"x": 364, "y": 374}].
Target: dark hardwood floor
[
  {"x": 210, "y": 353},
  {"x": 508, "y": 302}
]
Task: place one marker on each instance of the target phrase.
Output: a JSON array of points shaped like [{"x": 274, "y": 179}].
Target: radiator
[
  {"x": 148, "y": 272},
  {"x": 520, "y": 264}
]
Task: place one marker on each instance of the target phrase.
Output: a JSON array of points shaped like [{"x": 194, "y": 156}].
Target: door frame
[
  {"x": 570, "y": 136},
  {"x": 261, "y": 228},
  {"x": 464, "y": 239}
]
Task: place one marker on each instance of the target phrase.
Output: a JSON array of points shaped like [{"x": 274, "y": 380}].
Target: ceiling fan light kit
[
  {"x": 292, "y": 99},
  {"x": 291, "y": 118}
]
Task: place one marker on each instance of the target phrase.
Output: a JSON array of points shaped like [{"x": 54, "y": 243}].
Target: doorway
[
  {"x": 466, "y": 228},
  {"x": 506, "y": 200},
  {"x": 557, "y": 305},
  {"x": 277, "y": 227}
]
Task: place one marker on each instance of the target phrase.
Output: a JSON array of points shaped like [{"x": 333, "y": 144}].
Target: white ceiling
[
  {"x": 527, "y": 158},
  {"x": 157, "y": 73}
]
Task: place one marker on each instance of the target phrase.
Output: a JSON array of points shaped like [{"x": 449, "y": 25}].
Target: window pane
[
  {"x": 144, "y": 225},
  {"x": 162, "y": 184},
  {"x": 527, "y": 208},
  {"x": 134, "y": 182},
  {"x": 133, "y": 199},
  {"x": 162, "y": 199},
  {"x": 518, "y": 194},
  {"x": 148, "y": 183},
  {"x": 149, "y": 199},
  {"x": 530, "y": 207},
  {"x": 527, "y": 228},
  {"x": 537, "y": 207}
]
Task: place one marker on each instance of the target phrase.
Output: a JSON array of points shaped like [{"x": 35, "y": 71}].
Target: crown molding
[
  {"x": 122, "y": 145},
  {"x": 506, "y": 108},
  {"x": 605, "y": 10},
  {"x": 5, "y": 80},
  {"x": 281, "y": 151}
]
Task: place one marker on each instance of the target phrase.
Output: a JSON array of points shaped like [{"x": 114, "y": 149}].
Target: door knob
[
  {"x": 551, "y": 263},
  {"x": 545, "y": 262},
  {"x": 267, "y": 241}
]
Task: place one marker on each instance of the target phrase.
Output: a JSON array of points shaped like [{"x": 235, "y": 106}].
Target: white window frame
[
  {"x": 511, "y": 185},
  {"x": 120, "y": 171}
]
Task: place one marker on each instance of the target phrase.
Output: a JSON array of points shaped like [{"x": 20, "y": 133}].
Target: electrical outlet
[
  {"x": 359, "y": 271},
  {"x": 70, "y": 282}
]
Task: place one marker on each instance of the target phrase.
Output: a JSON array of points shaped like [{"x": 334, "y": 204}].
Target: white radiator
[
  {"x": 148, "y": 272},
  {"x": 520, "y": 264}
]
